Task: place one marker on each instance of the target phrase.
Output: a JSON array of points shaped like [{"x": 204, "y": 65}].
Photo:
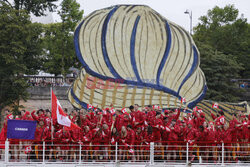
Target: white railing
[{"x": 151, "y": 154}]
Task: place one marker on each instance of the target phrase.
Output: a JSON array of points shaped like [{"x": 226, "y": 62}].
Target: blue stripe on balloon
[
  {"x": 104, "y": 48},
  {"x": 166, "y": 53},
  {"x": 194, "y": 66},
  {"x": 84, "y": 105},
  {"x": 132, "y": 50},
  {"x": 193, "y": 103}
]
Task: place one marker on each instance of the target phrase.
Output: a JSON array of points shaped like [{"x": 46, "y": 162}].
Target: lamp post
[{"x": 189, "y": 12}]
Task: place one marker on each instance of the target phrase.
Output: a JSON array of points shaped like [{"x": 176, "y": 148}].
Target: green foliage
[
  {"x": 58, "y": 39},
  {"x": 70, "y": 14},
  {"x": 20, "y": 53},
  {"x": 37, "y": 7},
  {"x": 219, "y": 68},
  {"x": 228, "y": 33},
  {"x": 223, "y": 41}
]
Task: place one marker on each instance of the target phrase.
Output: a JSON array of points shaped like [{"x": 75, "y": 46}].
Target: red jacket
[
  {"x": 108, "y": 119},
  {"x": 202, "y": 136},
  {"x": 176, "y": 117},
  {"x": 42, "y": 133},
  {"x": 157, "y": 125},
  {"x": 86, "y": 137},
  {"x": 130, "y": 139},
  {"x": 198, "y": 121},
  {"x": 86, "y": 122},
  {"x": 174, "y": 133},
  {"x": 139, "y": 138},
  {"x": 76, "y": 135},
  {"x": 63, "y": 137},
  {"x": 96, "y": 137},
  {"x": 137, "y": 116},
  {"x": 148, "y": 138},
  {"x": 220, "y": 135},
  {"x": 151, "y": 117},
  {"x": 191, "y": 134},
  {"x": 121, "y": 120},
  {"x": 211, "y": 135},
  {"x": 38, "y": 118},
  {"x": 106, "y": 136},
  {"x": 114, "y": 139}
]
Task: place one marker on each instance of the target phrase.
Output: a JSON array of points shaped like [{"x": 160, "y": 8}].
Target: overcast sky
[{"x": 171, "y": 9}]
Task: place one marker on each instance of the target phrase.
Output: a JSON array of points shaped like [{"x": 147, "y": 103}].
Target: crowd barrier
[{"x": 151, "y": 153}]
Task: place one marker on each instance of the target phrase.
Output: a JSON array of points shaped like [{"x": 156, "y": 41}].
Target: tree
[
  {"x": 58, "y": 39},
  {"x": 37, "y": 7},
  {"x": 225, "y": 31},
  {"x": 221, "y": 40},
  {"x": 20, "y": 53},
  {"x": 219, "y": 68}
]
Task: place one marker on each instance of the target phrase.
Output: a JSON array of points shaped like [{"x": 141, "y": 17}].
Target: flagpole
[{"x": 51, "y": 89}]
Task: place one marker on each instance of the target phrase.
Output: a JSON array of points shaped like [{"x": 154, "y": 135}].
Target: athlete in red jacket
[
  {"x": 173, "y": 138},
  {"x": 42, "y": 133},
  {"x": 150, "y": 115},
  {"x": 137, "y": 117},
  {"x": 75, "y": 140},
  {"x": 108, "y": 118},
  {"x": 63, "y": 137},
  {"x": 148, "y": 138},
  {"x": 86, "y": 139},
  {"x": 138, "y": 143},
  {"x": 191, "y": 138},
  {"x": 130, "y": 140},
  {"x": 157, "y": 125},
  {"x": 39, "y": 116}
]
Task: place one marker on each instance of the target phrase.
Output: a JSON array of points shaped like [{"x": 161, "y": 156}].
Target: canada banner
[
  {"x": 21, "y": 129},
  {"x": 59, "y": 115}
]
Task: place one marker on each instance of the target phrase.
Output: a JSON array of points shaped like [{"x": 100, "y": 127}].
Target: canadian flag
[
  {"x": 104, "y": 112},
  {"x": 124, "y": 110},
  {"x": 85, "y": 138},
  {"x": 131, "y": 151},
  {"x": 89, "y": 106},
  {"x": 112, "y": 141},
  {"x": 10, "y": 116},
  {"x": 59, "y": 115},
  {"x": 183, "y": 100},
  {"x": 199, "y": 110},
  {"x": 167, "y": 129},
  {"x": 215, "y": 105},
  {"x": 95, "y": 130},
  {"x": 28, "y": 149},
  {"x": 195, "y": 108},
  {"x": 112, "y": 110}
]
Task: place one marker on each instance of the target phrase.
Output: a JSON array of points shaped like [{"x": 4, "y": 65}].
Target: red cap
[{"x": 166, "y": 111}]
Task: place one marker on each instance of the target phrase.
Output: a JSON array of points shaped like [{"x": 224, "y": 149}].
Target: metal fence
[{"x": 151, "y": 153}]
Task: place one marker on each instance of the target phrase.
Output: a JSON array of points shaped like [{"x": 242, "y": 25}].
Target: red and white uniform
[
  {"x": 63, "y": 138},
  {"x": 137, "y": 116}
]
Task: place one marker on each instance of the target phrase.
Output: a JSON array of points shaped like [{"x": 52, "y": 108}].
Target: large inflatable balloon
[{"x": 130, "y": 54}]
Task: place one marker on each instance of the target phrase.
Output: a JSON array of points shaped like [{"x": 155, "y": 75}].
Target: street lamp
[{"x": 189, "y": 12}]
